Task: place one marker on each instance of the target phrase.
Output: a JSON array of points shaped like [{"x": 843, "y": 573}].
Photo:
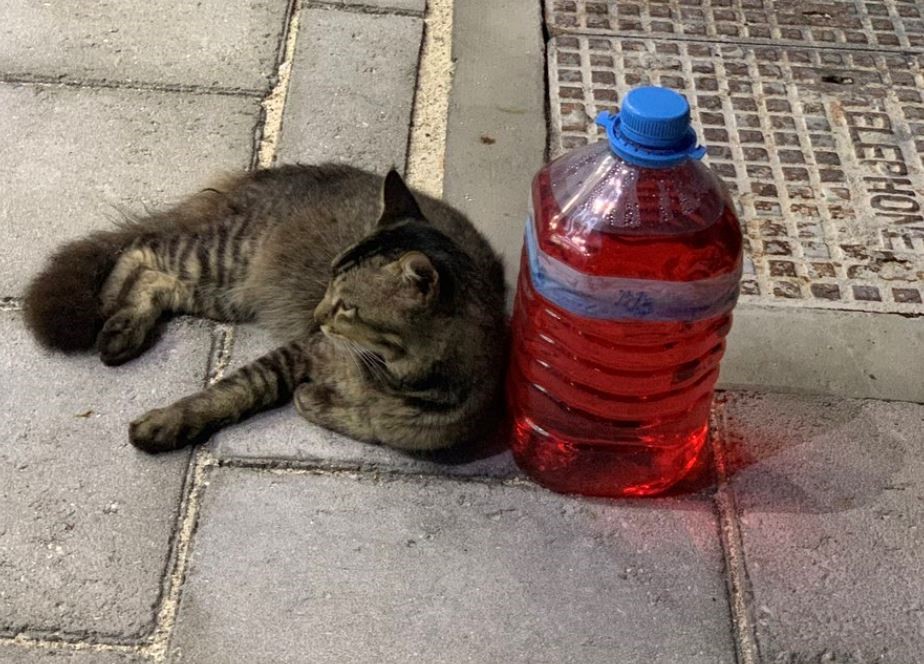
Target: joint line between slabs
[
  {"x": 25, "y": 642},
  {"x": 426, "y": 140},
  {"x": 11, "y": 304},
  {"x": 165, "y": 622},
  {"x": 103, "y": 84},
  {"x": 273, "y": 104},
  {"x": 737, "y": 583},
  {"x": 366, "y": 9}
]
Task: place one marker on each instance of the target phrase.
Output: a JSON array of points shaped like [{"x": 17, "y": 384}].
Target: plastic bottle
[{"x": 629, "y": 272}]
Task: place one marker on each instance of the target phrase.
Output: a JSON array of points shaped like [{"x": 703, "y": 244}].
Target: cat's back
[
  {"x": 338, "y": 204},
  {"x": 298, "y": 194}
]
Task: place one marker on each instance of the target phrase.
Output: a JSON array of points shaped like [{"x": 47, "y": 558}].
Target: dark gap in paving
[
  {"x": 64, "y": 81},
  {"x": 406, "y": 8}
]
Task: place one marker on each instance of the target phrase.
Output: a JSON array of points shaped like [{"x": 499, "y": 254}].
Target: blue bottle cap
[{"x": 652, "y": 128}]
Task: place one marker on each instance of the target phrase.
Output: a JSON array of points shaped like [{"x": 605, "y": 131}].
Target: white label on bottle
[{"x": 617, "y": 298}]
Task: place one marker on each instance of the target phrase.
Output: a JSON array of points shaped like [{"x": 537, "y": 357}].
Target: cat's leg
[
  {"x": 133, "y": 298},
  {"x": 260, "y": 385},
  {"x": 373, "y": 417},
  {"x": 177, "y": 274},
  {"x": 327, "y": 406}
]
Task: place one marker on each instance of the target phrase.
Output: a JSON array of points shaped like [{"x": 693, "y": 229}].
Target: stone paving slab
[
  {"x": 822, "y": 149},
  {"x": 283, "y": 435},
  {"x": 351, "y": 89},
  {"x": 71, "y": 156},
  {"x": 831, "y": 496},
  {"x": 878, "y": 24},
  {"x": 850, "y": 354},
  {"x": 496, "y": 125},
  {"x": 85, "y": 519},
  {"x": 20, "y": 655},
  {"x": 345, "y": 568},
  {"x": 211, "y": 43}
]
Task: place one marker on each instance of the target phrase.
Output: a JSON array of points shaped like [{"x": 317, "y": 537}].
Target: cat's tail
[{"x": 62, "y": 305}]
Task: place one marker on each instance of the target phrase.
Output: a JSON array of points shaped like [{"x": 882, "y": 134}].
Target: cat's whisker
[
  {"x": 377, "y": 365},
  {"x": 353, "y": 351},
  {"x": 344, "y": 345},
  {"x": 372, "y": 362}
]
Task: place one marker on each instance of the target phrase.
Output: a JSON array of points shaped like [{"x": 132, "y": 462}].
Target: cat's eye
[{"x": 344, "y": 311}]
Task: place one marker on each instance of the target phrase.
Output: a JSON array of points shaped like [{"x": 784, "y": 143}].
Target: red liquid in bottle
[{"x": 621, "y": 407}]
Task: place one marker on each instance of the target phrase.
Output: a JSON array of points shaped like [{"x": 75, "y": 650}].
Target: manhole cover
[
  {"x": 822, "y": 147},
  {"x": 880, "y": 24}
]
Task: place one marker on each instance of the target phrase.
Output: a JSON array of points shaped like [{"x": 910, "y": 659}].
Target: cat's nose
[{"x": 322, "y": 311}]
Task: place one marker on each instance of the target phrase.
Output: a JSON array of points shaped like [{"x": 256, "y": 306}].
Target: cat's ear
[
  {"x": 398, "y": 202},
  {"x": 416, "y": 269}
]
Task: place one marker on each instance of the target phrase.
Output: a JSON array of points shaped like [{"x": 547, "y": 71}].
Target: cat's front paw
[
  {"x": 124, "y": 337},
  {"x": 162, "y": 430}
]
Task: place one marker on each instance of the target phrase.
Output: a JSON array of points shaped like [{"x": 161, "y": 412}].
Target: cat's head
[{"x": 388, "y": 290}]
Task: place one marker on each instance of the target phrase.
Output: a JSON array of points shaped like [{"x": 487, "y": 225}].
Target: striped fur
[{"x": 388, "y": 305}]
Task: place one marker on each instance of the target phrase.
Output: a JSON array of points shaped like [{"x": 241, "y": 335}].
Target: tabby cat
[{"x": 389, "y": 306}]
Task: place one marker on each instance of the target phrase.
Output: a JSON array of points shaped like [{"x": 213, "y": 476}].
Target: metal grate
[
  {"x": 877, "y": 24},
  {"x": 822, "y": 149}
]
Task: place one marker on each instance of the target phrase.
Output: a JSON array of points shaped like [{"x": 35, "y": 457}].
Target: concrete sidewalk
[{"x": 280, "y": 542}]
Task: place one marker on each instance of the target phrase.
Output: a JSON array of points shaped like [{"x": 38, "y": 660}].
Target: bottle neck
[{"x": 649, "y": 155}]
